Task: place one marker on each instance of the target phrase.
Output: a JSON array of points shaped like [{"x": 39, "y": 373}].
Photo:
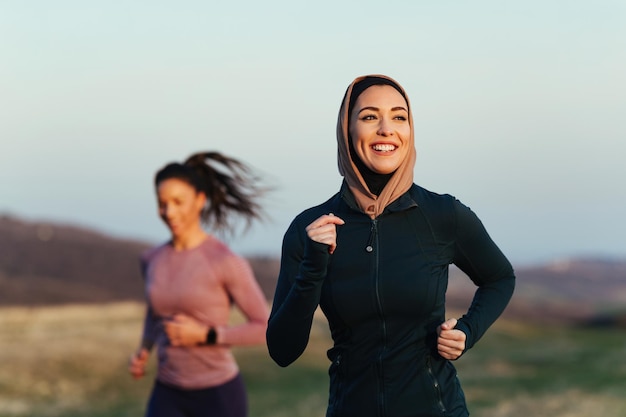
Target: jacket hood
[{"x": 402, "y": 178}]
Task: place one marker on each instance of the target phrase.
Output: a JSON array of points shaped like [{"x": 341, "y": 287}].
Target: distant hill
[
  {"x": 48, "y": 263},
  {"x": 586, "y": 291}
]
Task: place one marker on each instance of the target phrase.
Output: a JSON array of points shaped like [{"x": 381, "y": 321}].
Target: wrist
[{"x": 315, "y": 261}]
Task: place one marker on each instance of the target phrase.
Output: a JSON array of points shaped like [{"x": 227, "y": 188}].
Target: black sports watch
[{"x": 211, "y": 336}]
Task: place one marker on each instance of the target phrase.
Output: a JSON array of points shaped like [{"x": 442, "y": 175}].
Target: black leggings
[{"x": 227, "y": 400}]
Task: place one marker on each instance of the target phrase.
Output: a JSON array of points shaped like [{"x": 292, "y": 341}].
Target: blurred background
[{"x": 518, "y": 111}]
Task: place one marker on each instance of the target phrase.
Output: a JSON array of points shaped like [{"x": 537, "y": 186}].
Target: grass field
[{"x": 71, "y": 361}]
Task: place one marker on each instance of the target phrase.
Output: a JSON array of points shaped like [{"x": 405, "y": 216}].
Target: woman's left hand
[
  {"x": 184, "y": 331},
  {"x": 450, "y": 342}
]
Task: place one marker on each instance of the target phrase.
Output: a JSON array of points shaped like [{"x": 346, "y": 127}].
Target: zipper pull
[{"x": 370, "y": 242}]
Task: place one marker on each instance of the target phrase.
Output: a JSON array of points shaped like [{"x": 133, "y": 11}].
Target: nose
[{"x": 384, "y": 128}]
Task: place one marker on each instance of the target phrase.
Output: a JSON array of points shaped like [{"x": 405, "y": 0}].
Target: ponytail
[{"x": 229, "y": 185}]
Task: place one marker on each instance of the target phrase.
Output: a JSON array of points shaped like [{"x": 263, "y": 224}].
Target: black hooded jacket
[{"x": 383, "y": 293}]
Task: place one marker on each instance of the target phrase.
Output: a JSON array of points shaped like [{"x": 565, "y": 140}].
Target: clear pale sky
[{"x": 519, "y": 108}]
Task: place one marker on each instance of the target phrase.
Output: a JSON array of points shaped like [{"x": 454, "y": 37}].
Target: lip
[{"x": 384, "y": 147}]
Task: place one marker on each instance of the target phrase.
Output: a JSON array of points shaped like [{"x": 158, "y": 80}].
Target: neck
[{"x": 189, "y": 240}]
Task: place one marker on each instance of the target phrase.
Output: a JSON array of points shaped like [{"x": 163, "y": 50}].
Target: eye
[
  {"x": 400, "y": 115},
  {"x": 368, "y": 117}
]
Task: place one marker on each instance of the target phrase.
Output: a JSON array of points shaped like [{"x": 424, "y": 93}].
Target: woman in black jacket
[{"x": 375, "y": 258}]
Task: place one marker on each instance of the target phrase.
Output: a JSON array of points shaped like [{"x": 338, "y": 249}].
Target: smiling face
[
  {"x": 380, "y": 129},
  {"x": 180, "y": 206}
]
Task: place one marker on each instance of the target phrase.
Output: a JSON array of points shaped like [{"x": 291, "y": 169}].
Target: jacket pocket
[
  {"x": 436, "y": 386},
  {"x": 336, "y": 373}
]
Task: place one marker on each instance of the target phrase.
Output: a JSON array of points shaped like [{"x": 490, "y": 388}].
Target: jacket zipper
[
  {"x": 373, "y": 241},
  {"x": 436, "y": 386},
  {"x": 370, "y": 241}
]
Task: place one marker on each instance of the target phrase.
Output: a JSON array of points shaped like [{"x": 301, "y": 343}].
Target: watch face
[{"x": 211, "y": 336}]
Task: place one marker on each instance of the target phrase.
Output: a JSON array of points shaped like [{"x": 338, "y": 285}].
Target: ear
[{"x": 200, "y": 200}]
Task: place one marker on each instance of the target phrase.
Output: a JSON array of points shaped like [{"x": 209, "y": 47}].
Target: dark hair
[
  {"x": 229, "y": 185},
  {"x": 366, "y": 83}
]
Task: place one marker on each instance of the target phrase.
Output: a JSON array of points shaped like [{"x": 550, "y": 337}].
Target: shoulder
[
  {"x": 447, "y": 212},
  {"x": 216, "y": 251},
  {"x": 307, "y": 216},
  {"x": 443, "y": 211},
  {"x": 432, "y": 201},
  {"x": 226, "y": 264},
  {"x": 150, "y": 254}
]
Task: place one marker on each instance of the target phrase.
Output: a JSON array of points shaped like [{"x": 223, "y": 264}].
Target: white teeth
[{"x": 384, "y": 148}]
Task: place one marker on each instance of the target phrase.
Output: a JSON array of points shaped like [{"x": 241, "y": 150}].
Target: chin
[{"x": 174, "y": 231}]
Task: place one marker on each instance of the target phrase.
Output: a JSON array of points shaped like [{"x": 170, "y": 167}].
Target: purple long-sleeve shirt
[{"x": 202, "y": 282}]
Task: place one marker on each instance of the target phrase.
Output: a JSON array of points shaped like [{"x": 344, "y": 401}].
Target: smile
[{"x": 384, "y": 147}]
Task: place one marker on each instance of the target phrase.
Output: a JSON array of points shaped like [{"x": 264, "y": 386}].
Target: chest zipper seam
[{"x": 374, "y": 243}]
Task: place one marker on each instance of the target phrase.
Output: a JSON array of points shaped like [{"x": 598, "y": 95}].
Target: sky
[{"x": 519, "y": 109}]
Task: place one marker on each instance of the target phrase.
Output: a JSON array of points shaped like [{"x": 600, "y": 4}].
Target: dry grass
[
  {"x": 58, "y": 358},
  {"x": 71, "y": 361},
  {"x": 572, "y": 403}
]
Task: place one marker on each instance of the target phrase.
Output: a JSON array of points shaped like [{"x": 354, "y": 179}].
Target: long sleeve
[
  {"x": 247, "y": 295},
  {"x": 150, "y": 323},
  {"x": 150, "y": 329},
  {"x": 478, "y": 256},
  {"x": 298, "y": 291}
]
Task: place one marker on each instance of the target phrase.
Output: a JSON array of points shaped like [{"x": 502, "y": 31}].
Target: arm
[
  {"x": 139, "y": 359},
  {"x": 239, "y": 282},
  {"x": 478, "y": 256},
  {"x": 247, "y": 295},
  {"x": 302, "y": 272},
  {"x": 150, "y": 328}
]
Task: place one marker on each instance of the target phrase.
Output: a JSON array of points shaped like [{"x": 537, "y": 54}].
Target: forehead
[
  {"x": 174, "y": 186},
  {"x": 379, "y": 96}
]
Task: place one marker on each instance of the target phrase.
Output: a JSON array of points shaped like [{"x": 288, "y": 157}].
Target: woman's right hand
[
  {"x": 137, "y": 363},
  {"x": 324, "y": 230}
]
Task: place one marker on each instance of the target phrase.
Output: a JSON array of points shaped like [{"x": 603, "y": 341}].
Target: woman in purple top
[{"x": 191, "y": 282}]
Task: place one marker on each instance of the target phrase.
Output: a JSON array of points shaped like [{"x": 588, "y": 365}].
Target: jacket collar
[{"x": 404, "y": 202}]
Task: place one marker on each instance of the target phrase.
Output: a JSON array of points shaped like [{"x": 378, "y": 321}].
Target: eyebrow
[{"x": 377, "y": 109}]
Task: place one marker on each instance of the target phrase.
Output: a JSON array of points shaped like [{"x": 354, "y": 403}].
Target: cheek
[
  {"x": 162, "y": 211},
  {"x": 406, "y": 132},
  {"x": 189, "y": 210},
  {"x": 356, "y": 132},
  {"x": 356, "y": 135}
]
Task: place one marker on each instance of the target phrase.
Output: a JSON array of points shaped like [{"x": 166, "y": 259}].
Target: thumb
[
  {"x": 448, "y": 324},
  {"x": 142, "y": 354}
]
